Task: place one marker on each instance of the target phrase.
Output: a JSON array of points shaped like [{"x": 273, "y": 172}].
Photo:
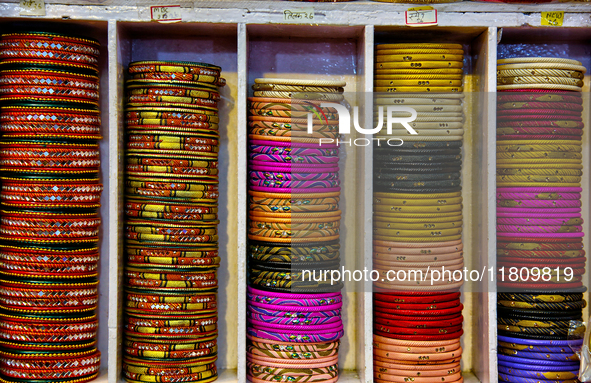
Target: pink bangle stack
[
  {"x": 294, "y": 322},
  {"x": 540, "y": 253}
]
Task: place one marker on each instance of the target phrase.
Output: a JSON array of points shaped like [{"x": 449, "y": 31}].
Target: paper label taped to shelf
[
  {"x": 421, "y": 16},
  {"x": 166, "y": 13},
  {"x": 553, "y": 19},
  {"x": 299, "y": 15},
  {"x": 32, "y": 7}
]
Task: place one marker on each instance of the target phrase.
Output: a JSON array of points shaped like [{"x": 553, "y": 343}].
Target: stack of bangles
[
  {"x": 49, "y": 201},
  {"x": 417, "y": 214},
  {"x": 171, "y": 207},
  {"x": 294, "y": 322},
  {"x": 539, "y": 224}
]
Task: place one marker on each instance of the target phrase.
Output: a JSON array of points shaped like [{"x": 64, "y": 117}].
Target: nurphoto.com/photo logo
[{"x": 345, "y": 123}]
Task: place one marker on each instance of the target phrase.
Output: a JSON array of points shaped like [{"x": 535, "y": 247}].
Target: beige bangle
[
  {"x": 540, "y": 72},
  {"x": 578, "y": 68},
  {"x": 518, "y": 60},
  {"x": 302, "y": 95},
  {"x": 539, "y": 80},
  {"x": 285, "y": 81},
  {"x": 539, "y": 86}
]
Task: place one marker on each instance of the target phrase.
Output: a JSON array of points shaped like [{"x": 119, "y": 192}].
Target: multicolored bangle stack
[
  {"x": 418, "y": 214},
  {"x": 49, "y": 222},
  {"x": 171, "y": 207},
  {"x": 294, "y": 322},
  {"x": 539, "y": 224}
]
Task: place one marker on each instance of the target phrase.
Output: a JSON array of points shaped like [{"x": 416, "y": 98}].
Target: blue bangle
[
  {"x": 536, "y": 342},
  {"x": 526, "y": 354},
  {"x": 533, "y": 374},
  {"x": 519, "y": 379},
  {"x": 505, "y": 359}
]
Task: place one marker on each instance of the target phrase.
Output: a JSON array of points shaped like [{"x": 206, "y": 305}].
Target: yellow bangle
[
  {"x": 417, "y": 239},
  {"x": 426, "y": 88},
  {"x": 539, "y": 148},
  {"x": 420, "y": 65},
  {"x": 540, "y": 172},
  {"x": 394, "y": 215},
  {"x": 539, "y": 166},
  {"x": 420, "y": 51},
  {"x": 418, "y": 209},
  {"x": 418, "y": 233},
  {"x": 379, "y": 57},
  {"x": 418, "y": 221},
  {"x": 535, "y": 184},
  {"x": 542, "y": 154},
  {"x": 418, "y": 202},
  {"x": 418, "y": 46},
  {"x": 418, "y": 226},
  {"x": 419, "y": 83},
  {"x": 416, "y": 196},
  {"x": 544, "y": 179}
]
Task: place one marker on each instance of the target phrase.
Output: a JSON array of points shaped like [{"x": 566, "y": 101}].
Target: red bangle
[
  {"x": 416, "y": 306},
  {"x": 418, "y": 319},
  {"x": 410, "y": 299},
  {"x": 420, "y": 324},
  {"x": 455, "y": 335}
]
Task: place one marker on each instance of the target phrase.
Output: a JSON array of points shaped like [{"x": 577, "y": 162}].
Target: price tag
[
  {"x": 553, "y": 19},
  {"x": 299, "y": 15},
  {"x": 166, "y": 13},
  {"x": 32, "y": 7},
  {"x": 421, "y": 16}
]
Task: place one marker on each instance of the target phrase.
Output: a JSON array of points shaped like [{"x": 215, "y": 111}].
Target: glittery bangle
[{"x": 296, "y": 338}]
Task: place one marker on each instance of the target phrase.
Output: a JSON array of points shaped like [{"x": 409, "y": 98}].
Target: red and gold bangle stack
[
  {"x": 50, "y": 195},
  {"x": 171, "y": 222},
  {"x": 539, "y": 217},
  {"x": 294, "y": 225},
  {"x": 418, "y": 215}
]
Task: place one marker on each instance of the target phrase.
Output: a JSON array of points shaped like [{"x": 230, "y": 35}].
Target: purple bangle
[
  {"x": 273, "y": 294},
  {"x": 545, "y": 355},
  {"x": 293, "y": 176},
  {"x": 541, "y": 235},
  {"x": 537, "y": 362},
  {"x": 294, "y": 184},
  {"x": 283, "y": 169},
  {"x": 529, "y": 203},
  {"x": 541, "y": 342},
  {"x": 301, "y": 338},
  {"x": 537, "y": 229},
  {"x": 294, "y": 321},
  {"x": 538, "y": 215},
  {"x": 293, "y": 167},
  {"x": 297, "y": 329},
  {"x": 536, "y": 196},
  {"x": 291, "y": 159},
  {"x": 535, "y": 374},
  {"x": 253, "y": 310},
  {"x": 538, "y": 349},
  {"x": 291, "y": 144},
  {"x": 293, "y": 151},
  {"x": 294, "y": 190},
  {"x": 538, "y": 221},
  {"x": 537, "y": 211},
  {"x": 519, "y": 379},
  {"x": 540, "y": 190},
  {"x": 336, "y": 306}
]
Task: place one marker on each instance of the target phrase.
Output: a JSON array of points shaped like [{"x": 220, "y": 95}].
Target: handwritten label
[
  {"x": 299, "y": 15},
  {"x": 421, "y": 16},
  {"x": 166, "y": 13},
  {"x": 553, "y": 19},
  {"x": 32, "y": 7}
]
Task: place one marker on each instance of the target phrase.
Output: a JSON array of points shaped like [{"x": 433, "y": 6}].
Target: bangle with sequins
[
  {"x": 173, "y": 67},
  {"x": 175, "y": 285},
  {"x": 34, "y": 92},
  {"x": 156, "y": 135},
  {"x": 204, "y": 114},
  {"x": 194, "y": 377},
  {"x": 176, "y": 90},
  {"x": 185, "y": 77}
]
